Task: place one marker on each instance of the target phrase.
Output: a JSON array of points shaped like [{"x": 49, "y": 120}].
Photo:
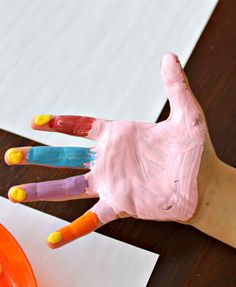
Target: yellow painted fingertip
[
  {"x": 41, "y": 120},
  {"x": 14, "y": 156},
  {"x": 17, "y": 193},
  {"x": 54, "y": 237}
]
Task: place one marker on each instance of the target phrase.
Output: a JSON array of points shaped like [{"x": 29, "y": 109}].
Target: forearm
[{"x": 216, "y": 213}]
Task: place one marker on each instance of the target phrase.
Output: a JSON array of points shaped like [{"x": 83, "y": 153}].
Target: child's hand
[{"x": 143, "y": 170}]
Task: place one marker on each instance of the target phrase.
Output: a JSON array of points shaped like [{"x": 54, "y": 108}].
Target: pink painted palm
[{"x": 144, "y": 170}]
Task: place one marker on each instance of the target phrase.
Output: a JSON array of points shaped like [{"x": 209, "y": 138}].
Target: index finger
[{"x": 81, "y": 126}]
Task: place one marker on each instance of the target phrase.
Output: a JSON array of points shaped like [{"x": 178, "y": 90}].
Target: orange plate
[{"x": 16, "y": 269}]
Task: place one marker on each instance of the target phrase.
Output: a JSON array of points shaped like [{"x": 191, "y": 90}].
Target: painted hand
[{"x": 143, "y": 170}]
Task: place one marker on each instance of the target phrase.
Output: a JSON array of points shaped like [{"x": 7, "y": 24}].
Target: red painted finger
[{"x": 72, "y": 125}]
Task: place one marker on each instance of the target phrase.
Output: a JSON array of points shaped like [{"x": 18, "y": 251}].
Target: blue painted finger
[{"x": 73, "y": 157}]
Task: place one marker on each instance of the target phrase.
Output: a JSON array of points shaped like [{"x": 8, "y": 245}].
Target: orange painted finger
[
  {"x": 80, "y": 227},
  {"x": 100, "y": 214}
]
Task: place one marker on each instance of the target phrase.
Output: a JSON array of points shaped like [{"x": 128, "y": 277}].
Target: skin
[
  {"x": 164, "y": 171},
  {"x": 216, "y": 212}
]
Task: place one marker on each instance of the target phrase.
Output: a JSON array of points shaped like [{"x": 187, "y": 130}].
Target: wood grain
[{"x": 188, "y": 257}]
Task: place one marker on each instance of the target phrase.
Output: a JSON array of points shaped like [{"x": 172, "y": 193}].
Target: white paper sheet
[
  {"x": 88, "y": 57},
  {"x": 94, "y": 260}
]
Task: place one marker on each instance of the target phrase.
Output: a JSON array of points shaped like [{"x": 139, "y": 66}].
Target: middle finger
[{"x": 72, "y": 157}]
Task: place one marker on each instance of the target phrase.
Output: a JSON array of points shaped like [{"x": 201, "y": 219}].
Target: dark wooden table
[{"x": 187, "y": 256}]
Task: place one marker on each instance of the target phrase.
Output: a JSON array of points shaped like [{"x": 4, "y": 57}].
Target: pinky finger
[
  {"x": 80, "y": 227},
  {"x": 99, "y": 215}
]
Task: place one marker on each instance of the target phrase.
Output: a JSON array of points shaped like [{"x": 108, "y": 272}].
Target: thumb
[{"x": 176, "y": 86}]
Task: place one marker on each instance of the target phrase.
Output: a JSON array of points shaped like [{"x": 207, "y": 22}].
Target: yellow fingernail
[
  {"x": 14, "y": 155},
  {"x": 41, "y": 120},
  {"x": 17, "y": 193},
  {"x": 54, "y": 237}
]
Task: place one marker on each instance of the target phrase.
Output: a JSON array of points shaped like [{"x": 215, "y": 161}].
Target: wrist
[{"x": 216, "y": 212}]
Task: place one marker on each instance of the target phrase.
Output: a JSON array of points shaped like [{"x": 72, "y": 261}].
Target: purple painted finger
[{"x": 55, "y": 190}]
